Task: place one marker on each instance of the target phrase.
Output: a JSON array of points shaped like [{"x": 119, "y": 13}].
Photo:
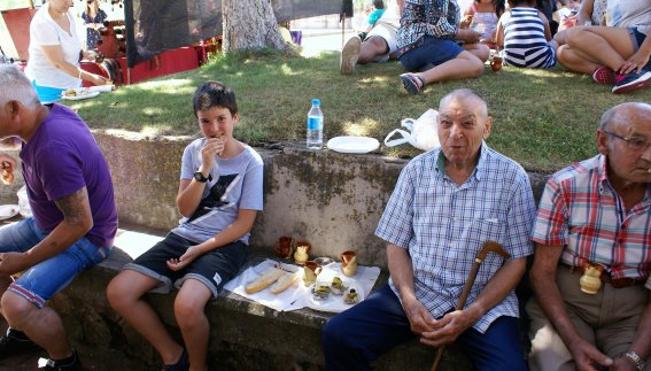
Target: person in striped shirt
[
  {"x": 523, "y": 33},
  {"x": 596, "y": 214}
]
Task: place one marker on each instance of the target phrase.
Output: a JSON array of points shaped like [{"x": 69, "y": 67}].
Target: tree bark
[{"x": 250, "y": 24}]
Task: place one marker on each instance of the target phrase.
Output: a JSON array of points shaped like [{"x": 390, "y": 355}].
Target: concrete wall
[
  {"x": 244, "y": 335},
  {"x": 332, "y": 200}
]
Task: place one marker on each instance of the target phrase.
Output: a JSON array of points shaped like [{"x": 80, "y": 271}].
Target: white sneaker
[{"x": 349, "y": 55}]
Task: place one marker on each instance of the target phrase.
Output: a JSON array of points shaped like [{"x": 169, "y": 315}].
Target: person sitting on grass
[
  {"x": 220, "y": 192},
  {"x": 524, "y": 35},
  {"x": 428, "y": 42},
  {"x": 379, "y": 45},
  {"x": 616, "y": 54},
  {"x": 377, "y": 12},
  {"x": 482, "y": 16}
]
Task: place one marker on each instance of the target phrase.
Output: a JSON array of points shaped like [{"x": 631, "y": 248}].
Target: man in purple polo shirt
[{"x": 75, "y": 219}]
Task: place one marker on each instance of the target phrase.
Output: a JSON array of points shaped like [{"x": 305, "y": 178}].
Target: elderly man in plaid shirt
[
  {"x": 446, "y": 204},
  {"x": 596, "y": 214}
]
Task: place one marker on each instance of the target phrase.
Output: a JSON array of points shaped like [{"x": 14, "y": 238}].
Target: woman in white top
[
  {"x": 617, "y": 54},
  {"x": 55, "y": 52}
]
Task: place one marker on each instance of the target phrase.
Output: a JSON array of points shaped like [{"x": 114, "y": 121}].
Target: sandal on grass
[{"x": 412, "y": 83}]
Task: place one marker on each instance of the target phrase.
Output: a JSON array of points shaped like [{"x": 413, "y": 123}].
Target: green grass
[{"x": 543, "y": 119}]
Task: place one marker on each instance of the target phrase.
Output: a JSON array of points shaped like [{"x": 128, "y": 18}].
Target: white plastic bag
[{"x": 422, "y": 134}]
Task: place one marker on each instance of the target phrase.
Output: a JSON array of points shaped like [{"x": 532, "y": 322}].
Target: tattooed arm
[{"x": 77, "y": 221}]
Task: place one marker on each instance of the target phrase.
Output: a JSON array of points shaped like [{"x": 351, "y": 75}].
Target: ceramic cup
[
  {"x": 348, "y": 263},
  {"x": 302, "y": 253},
  {"x": 284, "y": 247},
  {"x": 310, "y": 270}
]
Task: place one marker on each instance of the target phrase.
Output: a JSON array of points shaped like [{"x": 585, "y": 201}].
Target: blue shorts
[
  {"x": 213, "y": 269},
  {"x": 638, "y": 38},
  {"x": 430, "y": 51},
  {"x": 47, "y": 94},
  {"x": 40, "y": 282}
]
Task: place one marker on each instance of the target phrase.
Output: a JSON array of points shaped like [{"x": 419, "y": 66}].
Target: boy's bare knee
[
  {"x": 16, "y": 309},
  {"x": 188, "y": 313},
  {"x": 119, "y": 293}
]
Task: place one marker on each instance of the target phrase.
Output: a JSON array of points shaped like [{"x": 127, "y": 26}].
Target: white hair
[{"x": 14, "y": 85}]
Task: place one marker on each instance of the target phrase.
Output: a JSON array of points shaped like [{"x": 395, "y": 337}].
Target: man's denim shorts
[
  {"x": 431, "y": 51},
  {"x": 40, "y": 282}
]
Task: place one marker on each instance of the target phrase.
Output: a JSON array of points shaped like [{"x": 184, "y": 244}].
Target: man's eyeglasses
[{"x": 635, "y": 144}]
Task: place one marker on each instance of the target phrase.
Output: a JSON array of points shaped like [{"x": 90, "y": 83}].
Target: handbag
[{"x": 421, "y": 133}]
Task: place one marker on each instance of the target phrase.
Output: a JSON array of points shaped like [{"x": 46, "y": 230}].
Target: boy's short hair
[
  {"x": 214, "y": 94},
  {"x": 378, "y": 4}
]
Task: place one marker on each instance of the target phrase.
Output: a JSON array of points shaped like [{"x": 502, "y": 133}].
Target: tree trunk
[{"x": 250, "y": 24}]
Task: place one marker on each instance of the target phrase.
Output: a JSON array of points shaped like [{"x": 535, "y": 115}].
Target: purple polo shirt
[{"x": 61, "y": 158}]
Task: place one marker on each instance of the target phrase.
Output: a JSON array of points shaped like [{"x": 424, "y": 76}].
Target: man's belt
[{"x": 617, "y": 283}]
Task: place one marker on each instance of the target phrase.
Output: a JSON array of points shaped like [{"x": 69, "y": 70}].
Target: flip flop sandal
[{"x": 412, "y": 83}]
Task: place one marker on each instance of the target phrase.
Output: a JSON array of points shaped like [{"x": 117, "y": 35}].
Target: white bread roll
[
  {"x": 265, "y": 280},
  {"x": 284, "y": 282}
]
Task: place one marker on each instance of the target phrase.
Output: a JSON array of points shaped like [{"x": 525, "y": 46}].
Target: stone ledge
[{"x": 245, "y": 335}]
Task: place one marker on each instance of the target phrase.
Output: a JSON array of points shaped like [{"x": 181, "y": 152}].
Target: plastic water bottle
[{"x": 315, "y": 126}]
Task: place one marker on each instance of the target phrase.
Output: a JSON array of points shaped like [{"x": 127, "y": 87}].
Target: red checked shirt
[{"x": 581, "y": 211}]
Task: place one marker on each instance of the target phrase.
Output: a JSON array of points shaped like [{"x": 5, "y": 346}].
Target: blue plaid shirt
[{"x": 443, "y": 226}]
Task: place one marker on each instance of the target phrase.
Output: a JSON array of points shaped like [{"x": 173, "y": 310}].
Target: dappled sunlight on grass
[
  {"x": 286, "y": 70},
  {"x": 543, "y": 118},
  {"x": 376, "y": 79},
  {"x": 167, "y": 84},
  {"x": 152, "y": 111},
  {"x": 87, "y": 104},
  {"x": 363, "y": 128}
]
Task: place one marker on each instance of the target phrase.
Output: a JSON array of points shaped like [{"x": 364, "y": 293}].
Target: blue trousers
[{"x": 353, "y": 339}]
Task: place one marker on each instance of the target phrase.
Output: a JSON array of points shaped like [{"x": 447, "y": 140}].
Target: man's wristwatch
[
  {"x": 635, "y": 360},
  {"x": 199, "y": 177}
]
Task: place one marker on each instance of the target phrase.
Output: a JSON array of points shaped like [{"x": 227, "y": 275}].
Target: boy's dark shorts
[{"x": 213, "y": 268}]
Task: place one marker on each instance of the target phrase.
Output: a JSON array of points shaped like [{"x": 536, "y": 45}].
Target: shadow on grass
[{"x": 542, "y": 118}]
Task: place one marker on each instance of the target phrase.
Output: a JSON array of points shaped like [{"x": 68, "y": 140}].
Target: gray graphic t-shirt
[{"x": 236, "y": 184}]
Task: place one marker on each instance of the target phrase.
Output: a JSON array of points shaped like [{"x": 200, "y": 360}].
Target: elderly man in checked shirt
[
  {"x": 596, "y": 213},
  {"x": 446, "y": 204}
]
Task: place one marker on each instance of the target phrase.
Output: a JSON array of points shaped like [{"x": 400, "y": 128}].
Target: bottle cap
[{"x": 316, "y": 102}]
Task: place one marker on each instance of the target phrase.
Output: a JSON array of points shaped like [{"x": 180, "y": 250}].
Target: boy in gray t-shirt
[{"x": 219, "y": 195}]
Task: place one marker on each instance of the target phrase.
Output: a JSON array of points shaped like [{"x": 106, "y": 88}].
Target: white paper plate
[
  {"x": 82, "y": 93},
  {"x": 8, "y": 211},
  {"x": 352, "y": 144}
]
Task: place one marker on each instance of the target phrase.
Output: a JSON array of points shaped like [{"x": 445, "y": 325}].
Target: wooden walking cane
[{"x": 487, "y": 248}]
